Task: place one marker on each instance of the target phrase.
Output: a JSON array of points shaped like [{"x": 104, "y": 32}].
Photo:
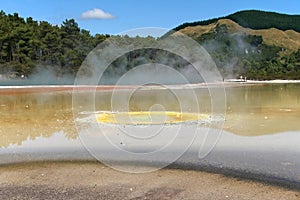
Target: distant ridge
[{"x": 255, "y": 19}]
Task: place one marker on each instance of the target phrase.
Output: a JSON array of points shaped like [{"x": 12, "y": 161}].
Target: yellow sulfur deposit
[{"x": 149, "y": 117}]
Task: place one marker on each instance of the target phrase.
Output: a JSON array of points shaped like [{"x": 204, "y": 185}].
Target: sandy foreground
[{"x": 92, "y": 180}]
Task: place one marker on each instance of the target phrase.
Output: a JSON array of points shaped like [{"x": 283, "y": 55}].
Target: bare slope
[{"x": 289, "y": 39}]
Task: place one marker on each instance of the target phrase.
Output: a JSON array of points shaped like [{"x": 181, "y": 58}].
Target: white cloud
[{"x": 96, "y": 13}]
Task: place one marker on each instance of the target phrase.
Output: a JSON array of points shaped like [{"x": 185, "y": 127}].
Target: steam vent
[{"x": 148, "y": 117}]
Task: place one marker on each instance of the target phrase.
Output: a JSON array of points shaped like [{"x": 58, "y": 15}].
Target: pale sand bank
[
  {"x": 91, "y": 180},
  {"x": 259, "y": 81},
  {"x": 76, "y": 88}
]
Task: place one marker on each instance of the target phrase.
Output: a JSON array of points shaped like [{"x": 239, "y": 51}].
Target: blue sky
[{"x": 115, "y": 16}]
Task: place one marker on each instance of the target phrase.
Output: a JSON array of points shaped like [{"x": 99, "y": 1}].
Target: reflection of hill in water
[
  {"x": 28, "y": 116},
  {"x": 251, "y": 110},
  {"x": 265, "y": 109}
]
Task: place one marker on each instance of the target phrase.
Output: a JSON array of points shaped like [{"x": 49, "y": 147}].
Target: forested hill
[
  {"x": 259, "y": 45},
  {"x": 255, "y": 19}
]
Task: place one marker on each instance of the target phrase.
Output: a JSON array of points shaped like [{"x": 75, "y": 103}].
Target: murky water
[
  {"x": 250, "y": 109},
  {"x": 259, "y": 118},
  {"x": 32, "y": 115},
  {"x": 266, "y": 109}
]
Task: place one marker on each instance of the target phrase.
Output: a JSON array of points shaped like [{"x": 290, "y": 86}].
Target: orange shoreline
[
  {"x": 11, "y": 90},
  {"x": 27, "y": 89}
]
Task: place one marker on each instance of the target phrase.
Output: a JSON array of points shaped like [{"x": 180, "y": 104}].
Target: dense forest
[{"x": 28, "y": 46}]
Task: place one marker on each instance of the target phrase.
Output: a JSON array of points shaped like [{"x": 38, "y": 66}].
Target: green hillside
[
  {"x": 257, "y": 44},
  {"x": 255, "y": 19}
]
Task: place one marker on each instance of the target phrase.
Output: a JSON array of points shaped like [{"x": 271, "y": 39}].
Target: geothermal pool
[{"x": 257, "y": 136}]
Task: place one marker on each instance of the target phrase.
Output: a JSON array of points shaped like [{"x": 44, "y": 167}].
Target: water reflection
[
  {"x": 28, "y": 116},
  {"x": 266, "y": 109},
  {"x": 251, "y": 110}
]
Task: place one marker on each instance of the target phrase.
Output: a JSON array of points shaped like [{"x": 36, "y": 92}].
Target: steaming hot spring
[{"x": 150, "y": 117}]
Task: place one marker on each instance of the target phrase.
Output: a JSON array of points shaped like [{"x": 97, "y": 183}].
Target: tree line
[{"x": 26, "y": 45}]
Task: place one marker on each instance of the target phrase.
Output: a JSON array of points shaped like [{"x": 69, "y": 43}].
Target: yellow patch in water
[{"x": 149, "y": 117}]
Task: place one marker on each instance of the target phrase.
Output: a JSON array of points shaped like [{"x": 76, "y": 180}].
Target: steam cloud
[{"x": 43, "y": 75}]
